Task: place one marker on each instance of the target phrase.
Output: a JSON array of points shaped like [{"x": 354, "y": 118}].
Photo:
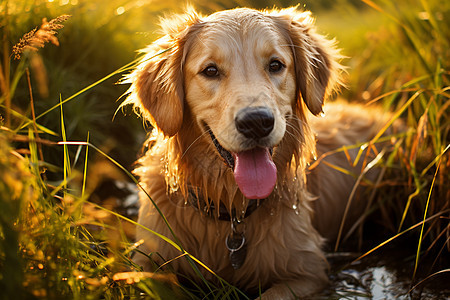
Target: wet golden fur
[{"x": 284, "y": 248}]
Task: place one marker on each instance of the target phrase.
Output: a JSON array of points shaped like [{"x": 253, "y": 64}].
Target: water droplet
[
  {"x": 138, "y": 243},
  {"x": 173, "y": 183}
]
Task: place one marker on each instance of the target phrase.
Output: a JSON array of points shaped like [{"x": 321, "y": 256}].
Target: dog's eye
[
  {"x": 211, "y": 71},
  {"x": 275, "y": 66}
]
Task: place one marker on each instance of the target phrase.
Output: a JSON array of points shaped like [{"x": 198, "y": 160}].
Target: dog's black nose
[{"x": 254, "y": 122}]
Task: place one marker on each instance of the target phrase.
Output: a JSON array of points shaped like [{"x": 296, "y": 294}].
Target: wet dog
[{"x": 234, "y": 100}]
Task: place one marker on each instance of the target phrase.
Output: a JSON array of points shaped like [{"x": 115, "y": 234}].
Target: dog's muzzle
[{"x": 254, "y": 170}]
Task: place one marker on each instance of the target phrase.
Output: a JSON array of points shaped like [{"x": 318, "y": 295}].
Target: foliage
[
  {"x": 55, "y": 243},
  {"x": 403, "y": 64},
  {"x": 409, "y": 63}
]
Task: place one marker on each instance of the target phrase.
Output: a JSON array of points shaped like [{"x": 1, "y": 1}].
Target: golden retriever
[{"x": 233, "y": 98}]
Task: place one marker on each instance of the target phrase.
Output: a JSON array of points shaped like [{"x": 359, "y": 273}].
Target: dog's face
[
  {"x": 240, "y": 81},
  {"x": 243, "y": 75}
]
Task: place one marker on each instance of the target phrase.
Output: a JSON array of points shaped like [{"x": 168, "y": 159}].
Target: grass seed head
[{"x": 37, "y": 38}]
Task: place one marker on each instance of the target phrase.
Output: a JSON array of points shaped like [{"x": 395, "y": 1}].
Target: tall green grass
[
  {"x": 55, "y": 243},
  {"x": 402, "y": 62},
  {"x": 415, "y": 85}
]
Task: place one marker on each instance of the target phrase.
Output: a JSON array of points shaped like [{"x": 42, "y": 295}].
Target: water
[{"x": 385, "y": 275}]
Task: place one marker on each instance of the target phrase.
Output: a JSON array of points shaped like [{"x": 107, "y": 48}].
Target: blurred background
[
  {"x": 102, "y": 36},
  {"x": 397, "y": 54}
]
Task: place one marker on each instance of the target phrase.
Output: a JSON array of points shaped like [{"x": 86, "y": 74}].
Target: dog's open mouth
[{"x": 254, "y": 170}]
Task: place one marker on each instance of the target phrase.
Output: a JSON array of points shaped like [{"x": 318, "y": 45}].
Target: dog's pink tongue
[{"x": 255, "y": 173}]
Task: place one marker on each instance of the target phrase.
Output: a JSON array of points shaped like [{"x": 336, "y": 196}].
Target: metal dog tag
[{"x": 238, "y": 249}]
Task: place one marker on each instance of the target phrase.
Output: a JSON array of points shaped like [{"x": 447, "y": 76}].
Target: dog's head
[{"x": 244, "y": 76}]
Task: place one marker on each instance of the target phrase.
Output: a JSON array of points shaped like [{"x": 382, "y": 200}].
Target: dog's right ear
[{"x": 157, "y": 82}]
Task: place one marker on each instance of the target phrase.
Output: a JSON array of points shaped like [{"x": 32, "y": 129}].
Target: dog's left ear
[
  {"x": 317, "y": 69},
  {"x": 157, "y": 82}
]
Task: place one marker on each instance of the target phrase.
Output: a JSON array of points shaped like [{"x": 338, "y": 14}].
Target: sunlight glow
[{"x": 120, "y": 10}]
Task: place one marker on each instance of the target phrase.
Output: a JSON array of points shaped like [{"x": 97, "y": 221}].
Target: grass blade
[
  {"x": 66, "y": 162},
  {"x": 400, "y": 234},
  {"x": 425, "y": 215},
  {"x": 83, "y": 189},
  {"x": 352, "y": 194}
]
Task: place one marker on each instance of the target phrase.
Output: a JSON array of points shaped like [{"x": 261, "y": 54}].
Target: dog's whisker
[
  {"x": 295, "y": 137},
  {"x": 297, "y": 130},
  {"x": 196, "y": 140}
]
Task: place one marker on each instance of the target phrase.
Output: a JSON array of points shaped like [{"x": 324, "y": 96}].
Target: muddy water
[{"x": 384, "y": 275}]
